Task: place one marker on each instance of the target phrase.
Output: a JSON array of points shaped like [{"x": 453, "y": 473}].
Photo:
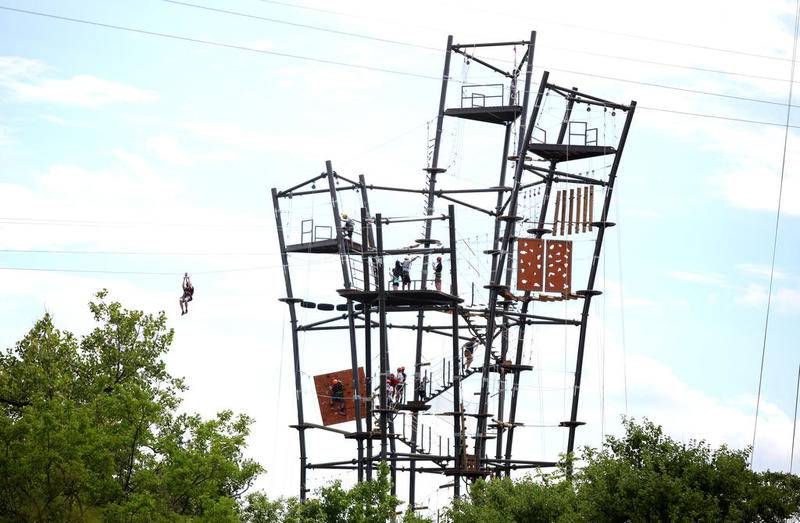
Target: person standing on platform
[
  {"x": 437, "y": 273},
  {"x": 422, "y": 387},
  {"x": 391, "y": 389},
  {"x": 397, "y": 275},
  {"x": 401, "y": 384},
  {"x": 407, "y": 272}
]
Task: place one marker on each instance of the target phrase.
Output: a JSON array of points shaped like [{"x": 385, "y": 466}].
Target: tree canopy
[
  {"x": 90, "y": 429},
  {"x": 642, "y": 476}
]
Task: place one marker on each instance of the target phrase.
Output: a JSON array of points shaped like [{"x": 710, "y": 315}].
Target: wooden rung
[
  {"x": 555, "y": 215},
  {"x": 585, "y": 205},
  {"x": 578, "y": 211},
  {"x": 563, "y": 209}
]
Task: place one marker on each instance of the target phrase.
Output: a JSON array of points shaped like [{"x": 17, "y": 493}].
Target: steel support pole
[
  {"x": 383, "y": 342},
  {"x": 424, "y": 277},
  {"x": 368, "y": 264},
  {"x": 499, "y": 258},
  {"x": 298, "y": 383},
  {"x": 342, "y": 247},
  {"x": 598, "y": 244},
  {"x": 457, "y": 426},
  {"x": 367, "y": 346},
  {"x": 504, "y": 339},
  {"x": 540, "y": 224}
]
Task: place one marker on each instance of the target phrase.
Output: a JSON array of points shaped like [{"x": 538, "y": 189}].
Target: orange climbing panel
[
  {"x": 530, "y": 264},
  {"x": 333, "y": 411},
  {"x": 558, "y": 277}
]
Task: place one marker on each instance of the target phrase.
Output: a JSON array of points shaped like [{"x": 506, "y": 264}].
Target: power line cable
[
  {"x": 17, "y": 220},
  {"x": 218, "y": 44},
  {"x": 794, "y": 421},
  {"x": 438, "y": 49},
  {"x": 350, "y": 65},
  {"x": 715, "y": 116},
  {"x": 142, "y": 273},
  {"x": 539, "y": 20},
  {"x": 135, "y": 253},
  {"x": 430, "y": 48},
  {"x": 304, "y": 26},
  {"x": 775, "y": 233},
  {"x": 634, "y": 36},
  {"x": 671, "y": 87}
]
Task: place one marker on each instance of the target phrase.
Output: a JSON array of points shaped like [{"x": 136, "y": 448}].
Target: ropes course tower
[{"x": 548, "y": 166}]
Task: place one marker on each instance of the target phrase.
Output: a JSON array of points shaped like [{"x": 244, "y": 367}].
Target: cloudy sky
[{"x": 144, "y": 147}]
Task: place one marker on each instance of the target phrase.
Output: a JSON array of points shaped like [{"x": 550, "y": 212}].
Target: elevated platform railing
[{"x": 482, "y": 95}]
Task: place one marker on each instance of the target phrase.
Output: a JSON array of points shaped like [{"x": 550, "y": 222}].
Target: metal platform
[
  {"x": 412, "y": 298},
  {"x": 329, "y": 246},
  {"x": 565, "y": 152},
  {"x": 501, "y": 114}
]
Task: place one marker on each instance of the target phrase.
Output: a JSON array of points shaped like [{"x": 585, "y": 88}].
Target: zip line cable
[{"x": 775, "y": 233}]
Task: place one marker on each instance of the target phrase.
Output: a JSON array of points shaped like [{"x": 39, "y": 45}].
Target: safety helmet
[
  {"x": 344, "y": 216},
  {"x": 400, "y": 369}
]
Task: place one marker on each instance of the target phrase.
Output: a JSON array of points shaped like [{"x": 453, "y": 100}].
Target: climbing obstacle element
[
  {"x": 581, "y": 201},
  {"x": 544, "y": 265},
  {"x": 335, "y": 408}
]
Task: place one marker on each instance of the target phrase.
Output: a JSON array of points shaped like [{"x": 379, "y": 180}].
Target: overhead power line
[
  {"x": 537, "y": 20},
  {"x": 143, "y": 273},
  {"x": 135, "y": 253},
  {"x": 437, "y": 49},
  {"x": 367, "y": 67},
  {"x": 304, "y": 26},
  {"x": 69, "y": 222},
  {"x": 220, "y": 44},
  {"x": 615, "y": 57}
]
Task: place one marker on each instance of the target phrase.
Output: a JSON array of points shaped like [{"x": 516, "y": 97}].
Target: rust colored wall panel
[
  {"x": 330, "y": 410},
  {"x": 558, "y": 277},
  {"x": 530, "y": 264}
]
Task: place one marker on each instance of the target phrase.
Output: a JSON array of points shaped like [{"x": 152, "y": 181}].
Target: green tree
[
  {"x": 89, "y": 429},
  {"x": 643, "y": 476},
  {"x": 367, "y": 502}
]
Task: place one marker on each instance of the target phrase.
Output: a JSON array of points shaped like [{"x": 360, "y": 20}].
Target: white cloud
[
  {"x": 168, "y": 149},
  {"x": 234, "y": 136},
  {"x": 698, "y": 277},
  {"x": 82, "y": 90},
  {"x": 25, "y": 79},
  {"x": 5, "y": 137},
  {"x": 762, "y": 271},
  {"x": 755, "y": 187},
  {"x": 784, "y": 299},
  {"x": 53, "y": 119}
]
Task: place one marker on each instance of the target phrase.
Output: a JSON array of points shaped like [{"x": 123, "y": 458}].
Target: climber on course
[{"x": 188, "y": 293}]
